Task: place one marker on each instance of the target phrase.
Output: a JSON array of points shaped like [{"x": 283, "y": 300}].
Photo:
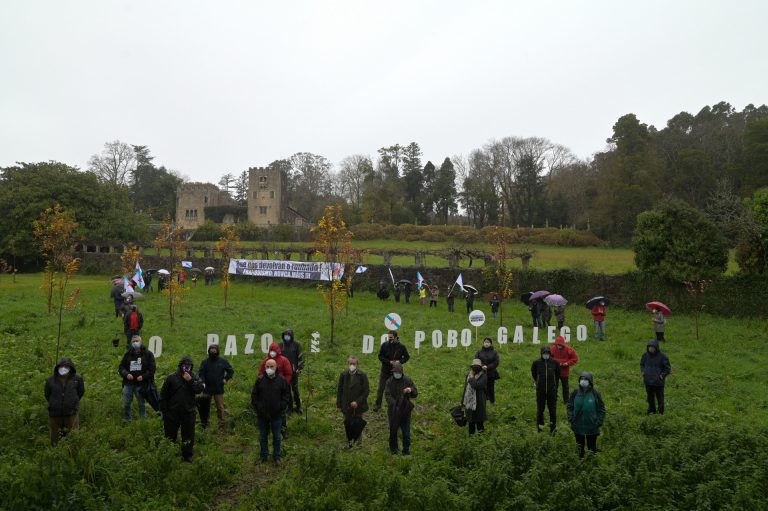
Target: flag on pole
[
  {"x": 186, "y": 264},
  {"x": 138, "y": 277},
  {"x": 361, "y": 269},
  {"x": 391, "y": 276},
  {"x": 127, "y": 285},
  {"x": 420, "y": 280},
  {"x": 460, "y": 282}
]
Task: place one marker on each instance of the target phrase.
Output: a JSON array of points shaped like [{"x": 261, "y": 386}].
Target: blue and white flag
[
  {"x": 361, "y": 269},
  {"x": 128, "y": 288},
  {"x": 460, "y": 282},
  {"x": 186, "y": 264},
  {"x": 138, "y": 277},
  {"x": 420, "y": 280}
]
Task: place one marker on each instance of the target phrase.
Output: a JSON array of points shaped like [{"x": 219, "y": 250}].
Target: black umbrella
[
  {"x": 404, "y": 281},
  {"x": 471, "y": 288},
  {"x": 149, "y": 392},
  {"x": 593, "y": 301},
  {"x": 196, "y": 270},
  {"x": 526, "y": 297},
  {"x": 354, "y": 427}
]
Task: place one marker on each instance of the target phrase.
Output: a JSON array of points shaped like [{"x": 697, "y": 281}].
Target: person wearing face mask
[
  {"x": 655, "y": 367},
  {"x": 291, "y": 349},
  {"x": 586, "y": 413},
  {"x": 284, "y": 369},
  {"x": 566, "y": 357},
  {"x": 545, "y": 372},
  {"x": 390, "y": 352},
  {"x": 399, "y": 390},
  {"x": 659, "y": 322},
  {"x": 178, "y": 405},
  {"x": 474, "y": 397},
  {"x": 495, "y": 304},
  {"x": 215, "y": 373},
  {"x": 490, "y": 362},
  {"x": 137, "y": 369},
  {"x": 270, "y": 397},
  {"x": 352, "y": 394},
  {"x": 63, "y": 392},
  {"x": 133, "y": 322}
]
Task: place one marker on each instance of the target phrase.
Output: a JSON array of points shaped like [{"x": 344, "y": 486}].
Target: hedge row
[{"x": 248, "y": 231}]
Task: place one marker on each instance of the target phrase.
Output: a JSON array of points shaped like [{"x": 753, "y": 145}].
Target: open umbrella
[
  {"x": 163, "y": 271},
  {"x": 354, "y": 427},
  {"x": 470, "y": 287},
  {"x": 134, "y": 294},
  {"x": 404, "y": 281},
  {"x": 555, "y": 300},
  {"x": 526, "y": 297},
  {"x": 658, "y": 305},
  {"x": 595, "y": 300},
  {"x": 210, "y": 268},
  {"x": 539, "y": 294},
  {"x": 196, "y": 270}
]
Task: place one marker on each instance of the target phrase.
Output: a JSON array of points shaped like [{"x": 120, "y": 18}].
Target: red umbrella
[{"x": 658, "y": 305}]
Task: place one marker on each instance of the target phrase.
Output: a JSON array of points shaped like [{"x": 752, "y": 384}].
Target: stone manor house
[{"x": 267, "y": 202}]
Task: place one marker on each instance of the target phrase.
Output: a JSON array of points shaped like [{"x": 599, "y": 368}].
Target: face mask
[
  {"x": 397, "y": 375},
  {"x": 391, "y": 339},
  {"x": 476, "y": 369},
  {"x": 186, "y": 368},
  {"x": 272, "y": 354},
  {"x": 63, "y": 371},
  {"x": 270, "y": 371},
  {"x": 651, "y": 350},
  {"x": 545, "y": 356},
  {"x": 214, "y": 355},
  {"x": 486, "y": 345},
  {"x": 136, "y": 345},
  {"x": 286, "y": 338},
  {"x": 584, "y": 383},
  {"x": 352, "y": 368}
]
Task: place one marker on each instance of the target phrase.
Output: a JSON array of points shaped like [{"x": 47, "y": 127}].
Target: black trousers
[
  {"x": 655, "y": 394},
  {"x": 564, "y": 384},
  {"x": 171, "y": 425},
  {"x": 548, "y": 399},
  {"x": 476, "y": 426},
  {"x": 294, "y": 386},
  {"x": 590, "y": 440},
  {"x": 659, "y": 336},
  {"x": 490, "y": 393}
]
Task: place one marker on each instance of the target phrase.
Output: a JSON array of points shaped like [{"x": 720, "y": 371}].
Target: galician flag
[
  {"x": 138, "y": 278},
  {"x": 127, "y": 285},
  {"x": 361, "y": 269},
  {"x": 420, "y": 280},
  {"x": 460, "y": 282},
  {"x": 186, "y": 264}
]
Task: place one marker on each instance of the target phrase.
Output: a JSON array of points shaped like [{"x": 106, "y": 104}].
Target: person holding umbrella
[
  {"x": 655, "y": 367},
  {"x": 597, "y": 307},
  {"x": 352, "y": 399},
  {"x": 659, "y": 322},
  {"x": 586, "y": 413},
  {"x": 399, "y": 391}
]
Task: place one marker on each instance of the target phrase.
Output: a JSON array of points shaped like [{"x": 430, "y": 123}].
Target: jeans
[
  {"x": 128, "y": 392},
  {"x": 383, "y": 377},
  {"x": 600, "y": 330},
  {"x": 265, "y": 426},
  {"x": 655, "y": 394},
  {"x": 405, "y": 427},
  {"x": 590, "y": 440}
]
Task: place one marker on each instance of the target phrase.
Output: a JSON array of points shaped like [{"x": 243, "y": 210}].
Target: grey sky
[{"x": 215, "y": 87}]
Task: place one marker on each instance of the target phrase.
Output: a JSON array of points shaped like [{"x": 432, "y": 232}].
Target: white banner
[{"x": 286, "y": 269}]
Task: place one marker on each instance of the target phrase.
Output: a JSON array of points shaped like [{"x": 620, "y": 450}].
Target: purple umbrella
[
  {"x": 539, "y": 294},
  {"x": 555, "y": 300}
]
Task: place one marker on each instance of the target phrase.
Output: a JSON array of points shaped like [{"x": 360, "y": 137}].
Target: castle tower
[
  {"x": 193, "y": 198},
  {"x": 267, "y": 198}
]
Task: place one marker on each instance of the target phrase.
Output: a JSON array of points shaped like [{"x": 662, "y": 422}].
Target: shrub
[
  {"x": 283, "y": 232},
  {"x": 468, "y": 236},
  {"x": 248, "y": 231},
  {"x": 209, "y": 231}
]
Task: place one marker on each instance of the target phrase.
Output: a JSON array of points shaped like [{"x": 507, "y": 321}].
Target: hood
[
  {"x": 589, "y": 377},
  {"x": 64, "y": 362},
  {"x": 546, "y": 349},
  {"x": 560, "y": 340},
  {"x": 275, "y": 347},
  {"x": 214, "y": 347},
  {"x": 288, "y": 332},
  {"x": 186, "y": 359},
  {"x": 655, "y": 344}
]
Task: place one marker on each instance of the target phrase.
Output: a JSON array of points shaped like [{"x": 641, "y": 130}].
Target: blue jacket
[{"x": 655, "y": 367}]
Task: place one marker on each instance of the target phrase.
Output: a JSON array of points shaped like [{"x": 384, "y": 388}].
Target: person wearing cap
[
  {"x": 291, "y": 349},
  {"x": 390, "y": 352},
  {"x": 399, "y": 390},
  {"x": 598, "y": 316},
  {"x": 566, "y": 357},
  {"x": 655, "y": 367},
  {"x": 490, "y": 362},
  {"x": 586, "y": 413},
  {"x": 474, "y": 397},
  {"x": 215, "y": 372},
  {"x": 133, "y": 322},
  {"x": 545, "y": 372},
  {"x": 178, "y": 405},
  {"x": 137, "y": 368},
  {"x": 270, "y": 397},
  {"x": 352, "y": 393},
  {"x": 63, "y": 391}
]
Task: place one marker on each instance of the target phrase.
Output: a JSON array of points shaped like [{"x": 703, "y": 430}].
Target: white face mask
[
  {"x": 545, "y": 356},
  {"x": 63, "y": 370},
  {"x": 286, "y": 338},
  {"x": 272, "y": 354},
  {"x": 136, "y": 345},
  {"x": 397, "y": 375},
  {"x": 270, "y": 371},
  {"x": 486, "y": 345},
  {"x": 352, "y": 368},
  {"x": 584, "y": 383}
]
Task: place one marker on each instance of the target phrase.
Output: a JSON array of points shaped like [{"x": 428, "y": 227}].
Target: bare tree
[
  {"x": 227, "y": 182},
  {"x": 115, "y": 163},
  {"x": 352, "y": 173}
]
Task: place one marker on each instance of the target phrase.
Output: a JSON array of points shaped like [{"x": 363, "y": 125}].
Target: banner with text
[{"x": 286, "y": 269}]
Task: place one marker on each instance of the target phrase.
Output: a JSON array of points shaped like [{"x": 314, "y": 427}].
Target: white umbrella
[
  {"x": 209, "y": 268},
  {"x": 164, "y": 271}
]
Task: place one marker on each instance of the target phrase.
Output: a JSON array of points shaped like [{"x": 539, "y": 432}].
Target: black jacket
[
  {"x": 270, "y": 397},
  {"x": 392, "y": 351},
  {"x": 352, "y": 387},
  {"x": 63, "y": 393},
  {"x": 656, "y": 367},
  {"x": 545, "y": 373},
  {"x": 214, "y": 373},
  {"x": 117, "y": 295},
  {"x": 490, "y": 358},
  {"x": 177, "y": 397},
  {"x": 127, "y": 322},
  {"x": 479, "y": 383},
  {"x": 141, "y": 363},
  {"x": 393, "y": 390},
  {"x": 292, "y": 351}
]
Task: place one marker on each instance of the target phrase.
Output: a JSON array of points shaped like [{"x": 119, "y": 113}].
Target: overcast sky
[{"x": 218, "y": 86}]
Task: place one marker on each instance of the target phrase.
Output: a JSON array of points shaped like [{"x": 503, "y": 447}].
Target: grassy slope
[{"x": 716, "y": 402}]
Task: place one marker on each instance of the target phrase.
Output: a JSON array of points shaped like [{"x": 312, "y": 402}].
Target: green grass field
[{"x": 707, "y": 452}]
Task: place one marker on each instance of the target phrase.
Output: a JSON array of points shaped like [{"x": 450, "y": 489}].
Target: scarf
[{"x": 470, "y": 397}]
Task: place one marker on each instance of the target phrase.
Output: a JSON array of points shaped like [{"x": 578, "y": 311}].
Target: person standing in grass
[
  {"x": 490, "y": 362},
  {"x": 178, "y": 404},
  {"x": 117, "y": 295},
  {"x": 545, "y": 372},
  {"x": 474, "y": 397},
  {"x": 423, "y": 296},
  {"x": 494, "y": 304},
  {"x": 598, "y": 315},
  {"x": 133, "y": 322},
  {"x": 586, "y": 413},
  {"x": 655, "y": 367},
  {"x": 137, "y": 369},
  {"x": 659, "y": 322},
  {"x": 450, "y": 299},
  {"x": 215, "y": 372},
  {"x": 270, "y": 397},
  {"x": 352, "y": 394},
  {"x": 391, "y": 352},
  {"x": 285, "y": 369},
  {"x": 399, "y": 391},
  {"x": 566, "y": 357},
  {"x": 63, "y": 392},
  {"x": 407, "y": 290},
  {"x": 470, "y": 300},
  {"x": 291, "y": 350},
  {"x": 560, "y": 315},
  {"x": 545, "y": 314},
  {"x": 535, "y": 307},
  {"x": 434, "y": 291}
]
